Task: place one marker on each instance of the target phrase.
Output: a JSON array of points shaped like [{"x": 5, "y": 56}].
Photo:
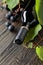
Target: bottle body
[{"x": 21, "y": 35}]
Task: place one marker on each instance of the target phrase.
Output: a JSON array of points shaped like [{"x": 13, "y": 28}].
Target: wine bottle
[
  {"x": 23, "y": 31},
  {"x": 26, "y": 16},
  {"x": 21, "y": 34}
]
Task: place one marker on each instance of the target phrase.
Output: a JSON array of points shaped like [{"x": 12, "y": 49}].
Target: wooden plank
[
  {"x": 2, "y": 14},
  {"x": 2, "y": 29},
  {"x": 2, "y": 22},
  {"x": 14, "y": 58},
  {"x": 4, "y": 35},
  {"x": 6, "y": 41},
  {"x": 11, "y": 53},
  {"x": 23, "y": 57},
  {"x": 14, "y": 52}
]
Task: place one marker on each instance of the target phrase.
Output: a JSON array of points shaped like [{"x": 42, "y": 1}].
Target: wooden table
[{"x": 13, "y": 54}]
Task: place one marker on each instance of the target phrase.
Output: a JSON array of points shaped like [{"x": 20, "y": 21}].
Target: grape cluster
[
  {"x": 12, "y": 16},
  {"x": 17, "y": 12},
  {"x": 27, "y": 19}
]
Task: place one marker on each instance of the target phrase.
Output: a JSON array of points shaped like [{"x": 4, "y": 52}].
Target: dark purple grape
[
  {"x": 8, "y": 15},
  {"x": 7, "y": 24},
  {"x": 11, "y": 28},
  {"x": 14, "y": 18}
]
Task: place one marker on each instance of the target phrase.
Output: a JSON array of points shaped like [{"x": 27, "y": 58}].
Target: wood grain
[{"x": 13, "y": 54}]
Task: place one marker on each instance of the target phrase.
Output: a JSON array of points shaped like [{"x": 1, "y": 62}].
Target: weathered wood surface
[{"x": 13, "y": 54}]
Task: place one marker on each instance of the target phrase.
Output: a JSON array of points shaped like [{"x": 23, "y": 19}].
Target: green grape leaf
[
  {"x": 4, "y": 0},
  {"x": 39, "y": 52},
  {"x": 39, "y": 10},
  {"x": 33, "y": 32},
  {"x": 30, "y": 45},
  {"x": 11, "y": 3}
]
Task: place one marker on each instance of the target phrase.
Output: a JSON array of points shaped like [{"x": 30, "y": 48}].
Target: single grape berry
[
  {"x": 14, "y": 18},
  {"x": 7, "y": 24},
  {"x": 8, "y": 15},
  {"x": 11, "y": 28}
]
